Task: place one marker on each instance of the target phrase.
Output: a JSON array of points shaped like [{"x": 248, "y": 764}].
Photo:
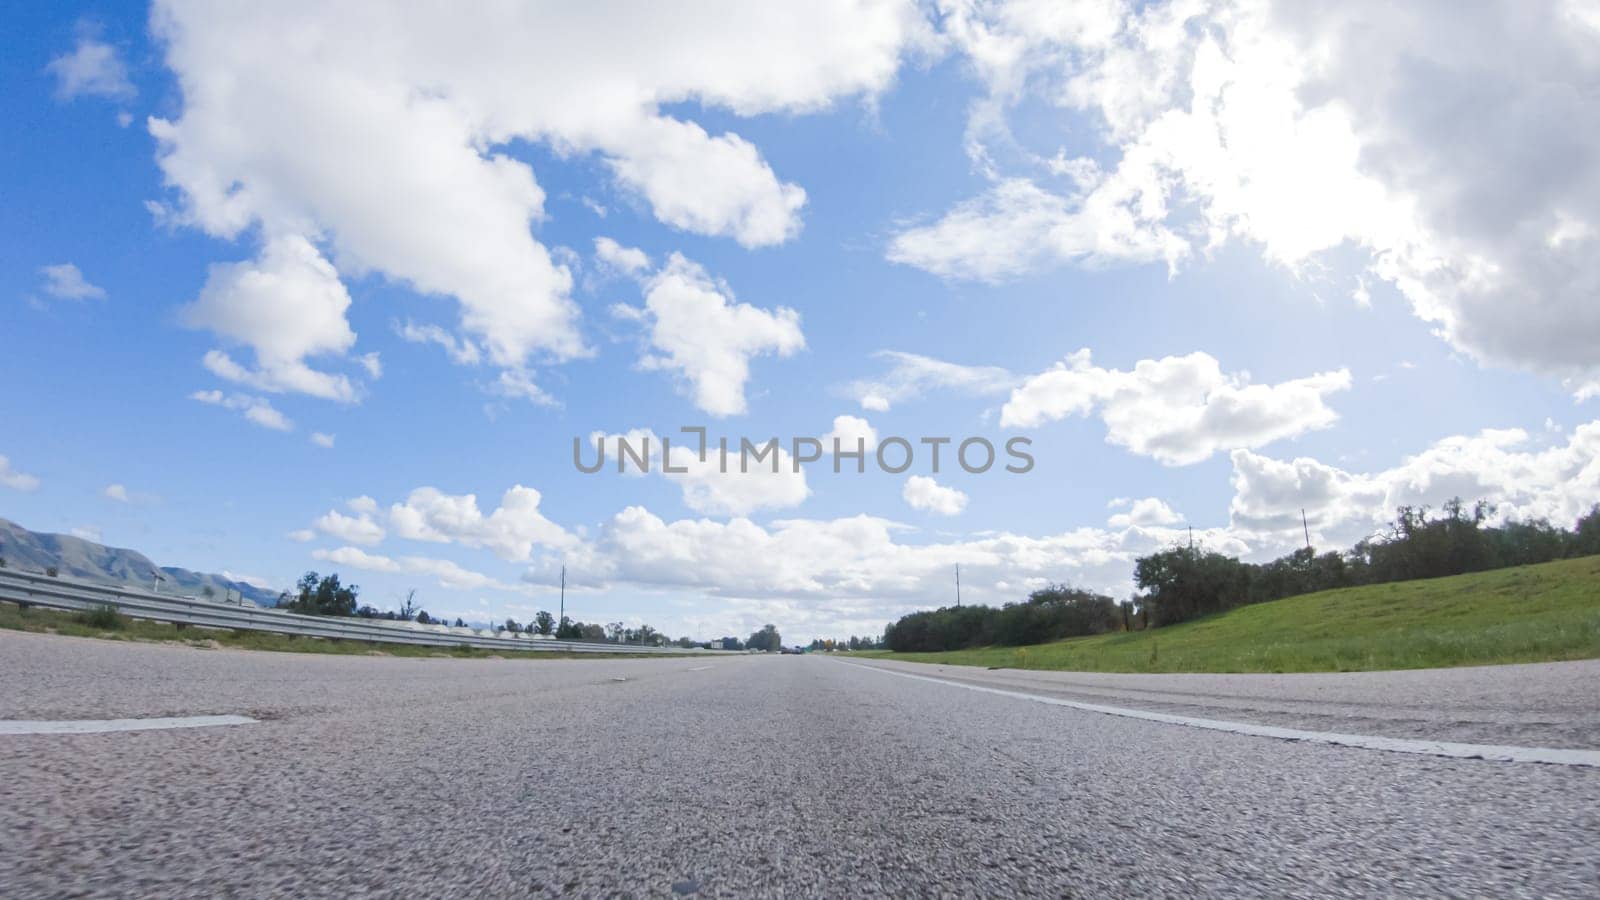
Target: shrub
[{"x": 104, "y": 617}]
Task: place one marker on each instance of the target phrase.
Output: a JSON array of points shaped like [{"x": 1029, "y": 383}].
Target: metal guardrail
[{"x": 75, "y": 595}]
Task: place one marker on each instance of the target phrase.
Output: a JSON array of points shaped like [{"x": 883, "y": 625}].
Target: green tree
[
  {"x": 545, "y": 622},
  {"x": 1186, "y": 582},
  {"x": 766, "y": 639},
  {"x": 1586, "y": 536},
  {"x": 324, "y": 596}
]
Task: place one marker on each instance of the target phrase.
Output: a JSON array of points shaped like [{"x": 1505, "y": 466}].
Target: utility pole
[
  {"x": 563, "y": 598},
  {"x": 1191, "y": 537},
  {"x": 1306, "y": 527},
  {"x": 958, "y": 585}
]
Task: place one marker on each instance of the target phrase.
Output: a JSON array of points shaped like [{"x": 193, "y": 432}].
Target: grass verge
[
  {"x": 1524, "y": 614},
  {"x": 96, "y": 625}
]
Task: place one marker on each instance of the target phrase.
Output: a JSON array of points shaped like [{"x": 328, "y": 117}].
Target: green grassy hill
[{"x": 1523, "y": 614}]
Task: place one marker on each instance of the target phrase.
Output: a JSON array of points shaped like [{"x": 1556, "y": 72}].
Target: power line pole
[
  {"x": 958, "y": 585},
  {"x": 563, "y": 618},
  {"x": 1306, "y": 527}
]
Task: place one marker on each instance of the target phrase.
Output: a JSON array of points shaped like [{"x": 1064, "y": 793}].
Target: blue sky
[{"x": 986, "y": 192}]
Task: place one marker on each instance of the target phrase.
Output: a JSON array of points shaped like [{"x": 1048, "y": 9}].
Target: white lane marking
[
  {"x": 98, "y": 726},
  {"x": 699, "y": 668},
  {"x": 1495, "y": 752}
]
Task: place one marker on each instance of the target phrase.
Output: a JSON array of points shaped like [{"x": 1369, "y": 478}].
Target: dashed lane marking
[{"x": 100, "y": 726}]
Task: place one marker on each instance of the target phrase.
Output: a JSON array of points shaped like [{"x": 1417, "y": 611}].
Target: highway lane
[
  {"x": 746, "y": 776},
  {"x": 1544, "y": 704}
]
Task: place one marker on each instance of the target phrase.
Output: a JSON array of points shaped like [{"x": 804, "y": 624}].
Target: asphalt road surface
[{"x": 772, "y": 776}]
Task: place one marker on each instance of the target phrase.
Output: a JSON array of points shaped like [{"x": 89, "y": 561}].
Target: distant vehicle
[{"x": 790, "y": 651}]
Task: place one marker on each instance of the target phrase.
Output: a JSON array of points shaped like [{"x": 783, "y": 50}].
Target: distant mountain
[{"x": 73, "y": 556}]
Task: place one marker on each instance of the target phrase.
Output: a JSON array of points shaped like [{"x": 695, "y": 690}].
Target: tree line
[
  {"x": 1049, "y": 614},
  {"x": 324, "y": 595},
  {"x": 1183, "y": 583},
  {"x": 1186, "y": 582},
  {"x": 851, "y": 643}
]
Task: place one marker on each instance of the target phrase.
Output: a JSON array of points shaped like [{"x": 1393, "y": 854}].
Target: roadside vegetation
[
  {"x": 325, "y": 595},
  {"x": 1536, "y": 613},
  {"x": 96, "y": 624},
  {"x": 1381, "y": 614},
  {"x": 103, "y": 618}
]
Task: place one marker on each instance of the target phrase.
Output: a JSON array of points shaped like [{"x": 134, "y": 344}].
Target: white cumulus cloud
[
  {"x": 1508, "y": 468},
  {"x": 852, "y": 433},
  {"x": 518, "y": 384},
  {"x": 287, "y": 305},
  {"x": 699, "y": 332},
  {"x": 925, "y": 494},
  {"x": 361, "y": 528},
  {"x": 1145, "y": 511},
  {"x": 1178, "y": 409},
  {"x": 258, "y": 410},
  {"x": 460, "y": 350},
  {"x": 852, "y": 568},
  {"x": 614, "y": 256},
  {"x": 510, "y": 531},
  {"x": 92, "y": 69},
  {"x": 1017, "y": 227},
  {"x": 65, "y": 282},
  {"x": 11, "y": 478},
  {"x": 388, "y": 133},
  {"x": 1299, "y": 130}
]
